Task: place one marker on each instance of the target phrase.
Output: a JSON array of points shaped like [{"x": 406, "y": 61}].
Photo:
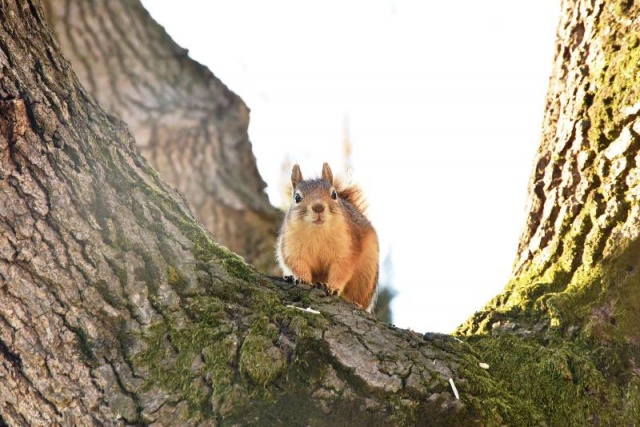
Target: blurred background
[{"x": 434, "y": 108}]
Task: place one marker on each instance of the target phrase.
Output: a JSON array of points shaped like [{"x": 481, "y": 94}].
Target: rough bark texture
[
  {"x": 577, "y": 261},
  {"x": 117, "y": 308},
  {"x": 191, "y": 128}
]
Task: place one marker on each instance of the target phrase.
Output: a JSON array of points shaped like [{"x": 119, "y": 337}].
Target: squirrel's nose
[{"x": 318, "y": 208}]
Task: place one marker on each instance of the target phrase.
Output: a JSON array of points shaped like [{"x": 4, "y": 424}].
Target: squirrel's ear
[
  {"x": 296, "y": 175},
  {"x": 327, "y": 175}
]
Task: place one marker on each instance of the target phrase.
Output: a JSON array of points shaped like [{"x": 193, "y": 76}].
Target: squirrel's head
[{"x": 314, "y": 200}]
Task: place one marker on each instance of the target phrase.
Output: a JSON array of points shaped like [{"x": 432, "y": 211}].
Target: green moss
[
  {"x": 496, "y": 405},
  {"x": 251, "y": 296},
  {"x": 618, "y": 83},
  {"x": 582, "y": 306},
  {"x": 198, "y": 358},
  {"x": 207, "y": 310},
  {"x": 236, "y": 266},
  {"x": 563, "y": 382},
  {"x": 219, "y": 358},
  {"x": 298, "y": 325},
  {"x": 176, "y": 279},
  {"x": 294, "y": 322},
  {"x": 178, "y": 357},
  {"x": 260, "y": 359},
  {"x": 205, "y": 250},
  {"x": 574, "y": 280},
  {"x": 575, "y": 368}
]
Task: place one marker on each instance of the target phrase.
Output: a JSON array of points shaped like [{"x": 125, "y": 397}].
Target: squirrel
[{"x": 326, "y": 239}]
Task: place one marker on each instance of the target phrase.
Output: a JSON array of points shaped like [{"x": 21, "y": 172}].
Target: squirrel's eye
[
  {"x": 334, "y": 195},
  {"x": 297, "y": 197}
]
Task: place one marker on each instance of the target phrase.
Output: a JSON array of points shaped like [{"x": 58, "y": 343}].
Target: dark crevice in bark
[
  {"x": 35, "y": 12},
  {"x": 122, "y": 384},
  {"x": 12, "y": 358},
  {"x": 12, "y": 415},
  {"x": 42, "y": 399}
]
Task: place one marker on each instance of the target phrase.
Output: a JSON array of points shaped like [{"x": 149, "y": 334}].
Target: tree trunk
[
  {"x": 576, "y": 281},
  {"x": 191, "y": 128},
  {"x": 577, "y": 262},
  {"x": 117, "y": 308}
]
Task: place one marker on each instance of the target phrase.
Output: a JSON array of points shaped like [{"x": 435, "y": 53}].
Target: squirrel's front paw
[
  {"x": 294, "y": 280},
  {"x": 327, "y": 290}
]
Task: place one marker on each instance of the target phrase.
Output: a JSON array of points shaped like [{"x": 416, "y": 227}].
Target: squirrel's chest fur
[{"x": 317, "y": 247}]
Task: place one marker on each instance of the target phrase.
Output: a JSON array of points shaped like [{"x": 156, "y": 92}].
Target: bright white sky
[{"x": 444, "y": 102}]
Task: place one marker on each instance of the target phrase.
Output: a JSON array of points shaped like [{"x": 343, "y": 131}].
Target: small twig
[
  {"x": 306, "y": 310},
  {"x": 455, "y": 390}
]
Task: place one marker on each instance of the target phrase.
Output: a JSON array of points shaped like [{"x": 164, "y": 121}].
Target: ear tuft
[
  {"x": 327, "y": 175},
  {"x": 296, "y": 175}
]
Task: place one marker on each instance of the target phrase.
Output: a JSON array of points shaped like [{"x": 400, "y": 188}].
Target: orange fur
[{"x": 353, "y": 194}]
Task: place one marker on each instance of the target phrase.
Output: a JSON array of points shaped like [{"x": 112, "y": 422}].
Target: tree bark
[
  {"x": 190, "y": 126},
  {"x": 575, "y": 286},
  {"x": 577, "y": 261},
  {"x": 117, "y": 308}
]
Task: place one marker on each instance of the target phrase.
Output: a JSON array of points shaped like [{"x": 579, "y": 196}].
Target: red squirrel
[{"x": 325, "y": 238}]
